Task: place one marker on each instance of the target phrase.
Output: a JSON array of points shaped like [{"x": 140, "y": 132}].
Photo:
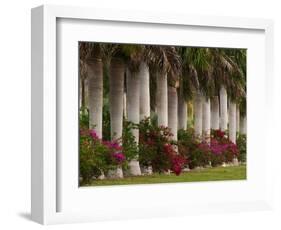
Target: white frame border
[{"x": 43, "y": 181}]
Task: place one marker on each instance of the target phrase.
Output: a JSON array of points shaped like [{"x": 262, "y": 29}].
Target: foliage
[
  {"x": 201, "y": 154},
  {"x": 222, "y": 149},
  {"x": 193, "y": 69},
  {"x": 129, "y": 143},
  {"x": 157, "y": 150},
  {"x": 97, "y": 156},
  {"x": 242, "y": 146},
  {"x": 106, "y": 133},
  {"x": 84, "y": 118},
  {"x": 192, "y": 149}
]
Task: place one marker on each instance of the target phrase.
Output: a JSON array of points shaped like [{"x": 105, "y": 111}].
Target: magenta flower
[
  {"x": 94, "y": 135},
  {"x": 113, "y": 145},
  {"x": 119, "y": 157}
]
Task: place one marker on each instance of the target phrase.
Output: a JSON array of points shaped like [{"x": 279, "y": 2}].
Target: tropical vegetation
[{"x": 147, "y": 109}]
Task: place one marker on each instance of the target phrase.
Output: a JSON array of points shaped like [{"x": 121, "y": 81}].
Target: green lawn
[{"x": 207, "y": 174}]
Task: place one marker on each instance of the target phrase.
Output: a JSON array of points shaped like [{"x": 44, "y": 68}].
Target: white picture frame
[{"x": 47, "y": 182}]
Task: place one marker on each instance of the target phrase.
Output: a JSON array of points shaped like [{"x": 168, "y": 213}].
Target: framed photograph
[{"x": 141, "y": 114}]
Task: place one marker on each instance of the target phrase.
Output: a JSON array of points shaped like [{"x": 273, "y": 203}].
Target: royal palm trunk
[
  {"x": 223, "y": 108},
  {"x": 198, "y": 115},
  {"x": 237, "y": 119},
  {"x": 133, "y": 112},
  {"x": 144, "y": 91},
  {"x": 232, "y": 126},
  {"x": 95, "y": 91},
  {"x": 243, "y": 125},
  {"x": 162, "y": 99},
  {"x": 232, "y": 122},
  {"x": 206, "y": 119},
  {"x": 172, "y": 111},
  {"x": 125, "y": 105},
  {"x": 182, "y": 112},
  {"x": 215, "y": 113},
  {"x": 116, "y": 92},
  {"x": 82, "y": 93}
]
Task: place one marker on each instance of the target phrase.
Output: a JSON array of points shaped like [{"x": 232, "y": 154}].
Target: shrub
[
  {"x": 97, "y": 156},
  {"x": 196, "y": 153},
  {"x": 200, "y": 154},
  {"x": 222, "y": 149},
  {"x": 83, "y": 118},
  {"x": 129, "y": 143},
  {"x": 157, "y": 150},
  {"x": 242, "y": 146}
]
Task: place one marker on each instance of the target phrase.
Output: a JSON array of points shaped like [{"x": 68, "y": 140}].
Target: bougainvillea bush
[
  {"x": 222, "y": 149},
  {"x": 196, "y": 153},
  {"x": 129, "y": 143},
  {"x": 199, "y": 154},
  {"x": 157, "y": 150},
  {"x": 97, "y": 157}
]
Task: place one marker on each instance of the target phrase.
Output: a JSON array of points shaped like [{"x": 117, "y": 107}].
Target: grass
[{"x": 207, "y": 174}]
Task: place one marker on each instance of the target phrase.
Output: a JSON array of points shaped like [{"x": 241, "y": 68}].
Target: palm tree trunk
[
  {"x": 206, "y": 120},
  {"x": 182, "y": 113},
  {"x": 232, "y": 127},
  {"x": 82, "y": 93},
  {"x": 144, "y": 91},
  {"x": 223, "y": 108},
  {"x": 215, "y": 113},
  {"x": 232, "y": 122},
  {"x": 86, "y": 82},
  {"x": 162, "y": 99},
  {"x": 116, "y": 92},
  {"x": 95, "y": 88},
  {"x": 237, "y": 119},
  {"x": 133, "y": 111},
  {"x": 173, "y": 112},
  {"x": 198, "y": 115},
  {"x": 125, "y": 105},
  {"x": 243, "y": 125}
]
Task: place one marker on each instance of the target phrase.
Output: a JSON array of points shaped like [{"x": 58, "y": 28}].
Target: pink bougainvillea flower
[
  {"x": 94, "y": 135},
  {"x": 119, "y": 157}
]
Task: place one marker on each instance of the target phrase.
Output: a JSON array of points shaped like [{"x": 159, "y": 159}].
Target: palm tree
[
  {"x": 163, "y": 60},
  {"x": 206, "y": 119},
  {"x": 188, "y": 85},
  {"x": 232, "y": 121},
  {"x": 173, "y": 110},
  {"x": 114, "y": 61},
  {"x": 199, "y": 59},
  {"x": 215, "y": 112},
  {"x": 243, "y": 119},
  {"x": 116, "y": 91},
  {"x": 144, "y": 90},
  {"x": 239, "y": 57},
  {"x": 92, "y": 54},
  {"x": 243, "y": 125},
  {"x": 221, "y": 70},
  {"x": 206, "y": 86},
  {"x": 182, "y": 112},
  {"x": 237, "y": 119},
  {"x": 116, "y": 82},
  {"x": 198, "y": 114},
  {"x": 237, "y": 84},
  {"x": 133, "y": 99},
  {"x": 223, "y": 108},
  {"x": 83, "y": 53},
  {"x": 134, "y": 58}
]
